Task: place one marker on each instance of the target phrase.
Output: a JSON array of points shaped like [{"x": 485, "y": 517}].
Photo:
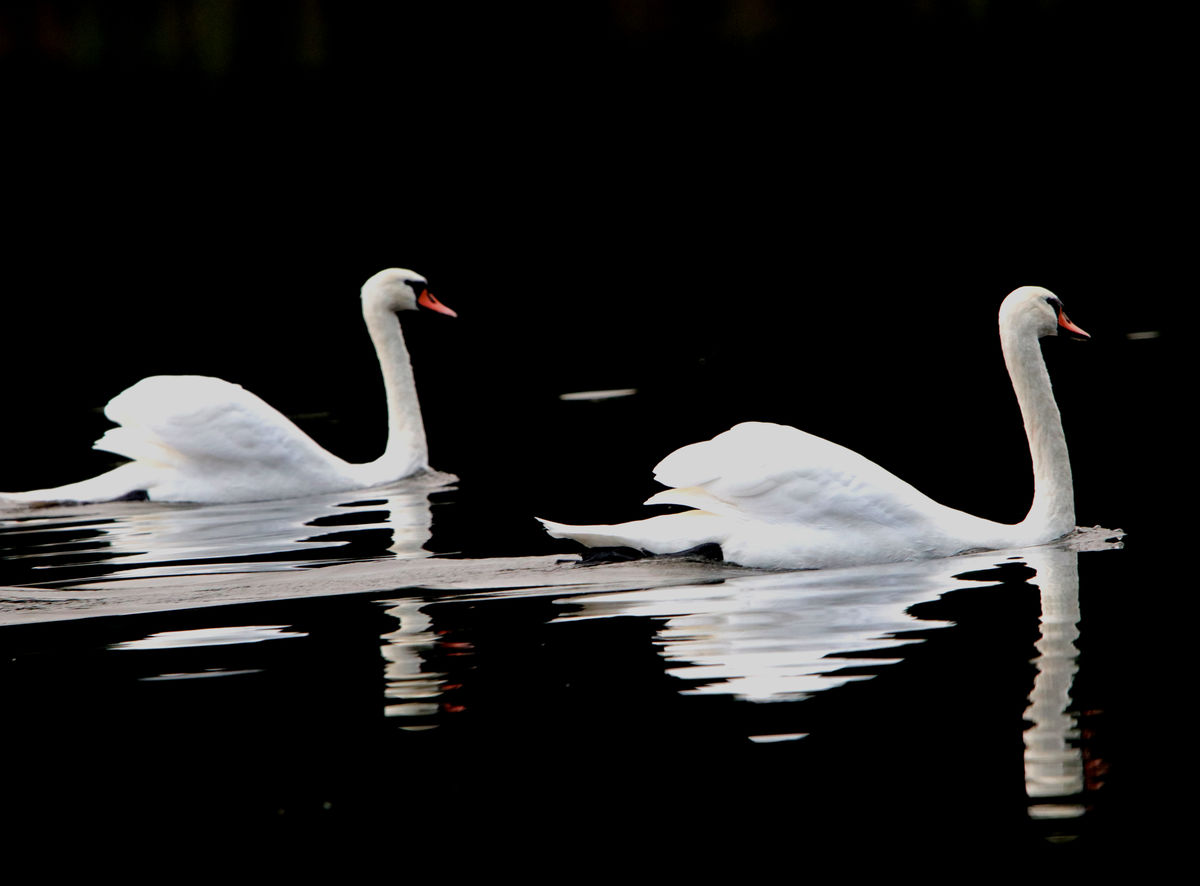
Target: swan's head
[
  {"x": 1037, "y": 311},
  {"x": 398, "y": 289}
]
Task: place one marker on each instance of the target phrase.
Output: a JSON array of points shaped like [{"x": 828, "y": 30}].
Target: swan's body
[
  {"x": 200, "y": 439},
  {"x": 776, "y": 497}
]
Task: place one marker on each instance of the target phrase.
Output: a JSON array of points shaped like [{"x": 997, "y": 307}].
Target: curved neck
[
  {"x": 406, "y": 449},
  {"x": 1052, "y": 513}
]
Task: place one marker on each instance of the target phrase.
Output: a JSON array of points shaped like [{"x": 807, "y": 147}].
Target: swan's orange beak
[
  {"x": 1066, "y": 324},
  {"x": 426, "y": 300}
]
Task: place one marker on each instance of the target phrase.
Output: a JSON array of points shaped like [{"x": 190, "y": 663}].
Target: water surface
[{"x": 937, "y": 702}]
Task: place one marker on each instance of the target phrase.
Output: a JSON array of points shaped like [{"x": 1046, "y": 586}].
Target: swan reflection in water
[
  {"x": 149, "y": 539},
  {"x": 784, "y": 637},
  {"x": 1054, "y": 763}
]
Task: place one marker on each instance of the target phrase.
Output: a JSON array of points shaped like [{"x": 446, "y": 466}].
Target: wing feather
[
  {"x": 777, "y": 473},
  {"x": 181, "y": 419}
]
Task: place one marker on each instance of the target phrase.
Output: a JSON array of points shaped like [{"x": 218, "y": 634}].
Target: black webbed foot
[
  {"x": 710, "y": 552},
  {"x": 598, "y": 556}
]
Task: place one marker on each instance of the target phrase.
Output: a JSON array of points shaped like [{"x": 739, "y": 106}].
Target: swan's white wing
[
  {"x": 194, "y": 416},
  {"x": 775, "y": 473},
  {"x": 209, "y": 434}
]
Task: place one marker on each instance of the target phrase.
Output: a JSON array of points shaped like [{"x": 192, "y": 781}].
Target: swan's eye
[
  {"x": 417, "y": 286},
  {"x": 1054, "y": 302}
]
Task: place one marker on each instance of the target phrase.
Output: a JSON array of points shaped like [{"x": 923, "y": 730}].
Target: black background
[{"x": 805, "y": 213}]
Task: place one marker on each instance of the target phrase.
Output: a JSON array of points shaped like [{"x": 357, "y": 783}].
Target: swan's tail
[
  {"x": 124, "y": 482},
  {"x": 664, "y": 534}
]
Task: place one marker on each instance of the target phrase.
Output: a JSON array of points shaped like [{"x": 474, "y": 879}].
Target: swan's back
[
  {"x": 776, "y": 496},
  {"x": 776, "y": 473},
  {"x": 206, "y": 439}
]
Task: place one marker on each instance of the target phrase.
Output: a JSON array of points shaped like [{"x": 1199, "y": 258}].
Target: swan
[
  {"x": 193, "y": 438},
  {"x": 777, "y": 497}
]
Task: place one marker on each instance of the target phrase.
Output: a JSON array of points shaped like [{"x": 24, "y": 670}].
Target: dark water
[
  {"x": 739, "y": 211},
  {"x": 955, "y": 704}
]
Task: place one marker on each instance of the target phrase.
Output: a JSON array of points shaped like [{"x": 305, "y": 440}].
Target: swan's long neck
[
  {"x": 1052, "y": 514},
  {"x": 406, "y": 449}
]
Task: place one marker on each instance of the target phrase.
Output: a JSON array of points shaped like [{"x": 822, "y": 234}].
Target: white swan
[
  {"x": 199, "y": 439},
  {"x": 776, "y": 497}
]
